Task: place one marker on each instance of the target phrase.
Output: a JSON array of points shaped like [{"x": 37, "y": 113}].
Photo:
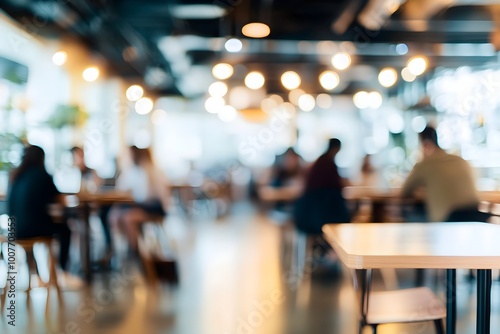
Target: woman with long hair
[{"x": 31, "y": 190}]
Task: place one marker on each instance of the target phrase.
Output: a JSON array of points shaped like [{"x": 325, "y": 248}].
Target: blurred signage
[{"x": 12, "y": 71}]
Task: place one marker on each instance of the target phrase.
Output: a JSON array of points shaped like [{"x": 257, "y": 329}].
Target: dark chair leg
[
  {"x": 374, "y": 329},
  {"x": 439, "y": 326}
]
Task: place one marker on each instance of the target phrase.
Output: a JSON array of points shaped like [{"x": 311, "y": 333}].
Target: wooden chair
[
  {"x": 28, "y": 246},
  {"x": 398, "y": 306}
]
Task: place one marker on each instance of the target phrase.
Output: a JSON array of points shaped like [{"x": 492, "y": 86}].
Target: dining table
[
  {"x": 80, "y": 206},
  {"x": 382, "y": 197},
  {"x": 442, "y": 245},
  {"x": 379, "y": 199}
]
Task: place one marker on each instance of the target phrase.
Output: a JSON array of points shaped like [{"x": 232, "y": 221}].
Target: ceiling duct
[{"x": 376, "y": 13}]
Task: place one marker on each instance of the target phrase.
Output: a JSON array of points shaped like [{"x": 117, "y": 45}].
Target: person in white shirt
[{"x": 149, "y": 189}]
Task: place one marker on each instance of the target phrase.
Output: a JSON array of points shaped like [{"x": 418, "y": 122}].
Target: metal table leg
[
  {"x": 362, "y": 284},
  {"x": 451, "y": 301},
  {"x": 85, "y": 243},
  {"x": 483, "y": 301}
]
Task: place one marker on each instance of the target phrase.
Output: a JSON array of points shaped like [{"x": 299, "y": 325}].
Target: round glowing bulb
[
  {"x": 374, "y": 100},
  {"x": 217, "y": 89},
  {"x": 417, "y": 65},
  {"x": 254, "y": 80},
  {"x": 361, "y": 100},
  {"x": 407, "y": 75},
  {"x": 418, "y": 124},
  {"x": 290, "y": 80},
  {"x": 228, "y": 114},
  {"x": 324, "y": 101},
  {"x": 256, "y": 30},
  {"x": 144, "y": 106},
  {"x": 307, "y": 102},
  {"x": 329, "y": 80},
  {"x": 59, "y": 58},
  {"x": 277, "y": 98},
  {"x": 222, "y": 71},
  {"x": 341, "y": 60},
  {"x": 233, "y": 45},
  {"x": 402, "y": 49},
  {"x": 90, "y": 74},
  {"x": 395, "y": 123},
  {"x": 134, "y": 93},
  {"x": 214, "y": 104},
  {"x": 387, "y": 77}
]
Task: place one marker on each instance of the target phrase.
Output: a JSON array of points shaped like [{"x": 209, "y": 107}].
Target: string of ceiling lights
[
  {"x": 291, "y": 80},
  {"x": 255, "y": 80}
]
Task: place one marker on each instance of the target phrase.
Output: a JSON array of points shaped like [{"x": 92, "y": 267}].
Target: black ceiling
[{"x": 127, "y": 32}]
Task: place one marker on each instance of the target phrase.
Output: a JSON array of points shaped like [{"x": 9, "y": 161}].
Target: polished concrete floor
[{"x": 236, "y": 278}]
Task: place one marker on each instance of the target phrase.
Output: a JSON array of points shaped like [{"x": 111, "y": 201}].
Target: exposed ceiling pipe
[
  {"x": 416, "y": 13},
  {"x": 376, "y": 13},
  {"x": 346, "y": 18}
]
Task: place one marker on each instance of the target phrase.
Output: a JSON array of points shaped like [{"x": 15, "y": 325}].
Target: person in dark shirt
[
  {"x": 32, "y": 190},
  {"x": 322, "y": 201}
]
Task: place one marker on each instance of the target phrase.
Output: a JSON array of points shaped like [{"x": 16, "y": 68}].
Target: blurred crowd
[{"x": 441, "y": 187}]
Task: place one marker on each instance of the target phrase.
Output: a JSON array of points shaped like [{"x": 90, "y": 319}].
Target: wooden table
[
  {"x": 81, "y": 205},
  {"x": 448, "y": 246},
  {"x": 378, "y": 197}
]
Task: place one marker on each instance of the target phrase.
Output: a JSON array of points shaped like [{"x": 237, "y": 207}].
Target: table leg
[
  {"x": 85, "y": 244},
  {"x": 451, "y": 301},
  {"x": 483, "y": 301},
  {"x": 362, "y": 284}
]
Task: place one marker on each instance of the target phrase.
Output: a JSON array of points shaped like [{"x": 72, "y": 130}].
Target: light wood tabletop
[
  {"x": 416, "y": 245},
  {"x": 447, "y": 246}
]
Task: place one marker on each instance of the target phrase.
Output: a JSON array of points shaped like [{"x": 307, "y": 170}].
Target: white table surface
[{"x": 416, "y": 245}]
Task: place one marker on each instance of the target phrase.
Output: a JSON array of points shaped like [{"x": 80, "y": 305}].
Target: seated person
[
  {"x": 285, "y": 181},
  {"x": 322, "y": 201},
  {"x": 32, "y": 190},
  {"x": 91, "y": 182},
  {"x": 149, "y": 188},
  {"x": 448, "y": 183}
]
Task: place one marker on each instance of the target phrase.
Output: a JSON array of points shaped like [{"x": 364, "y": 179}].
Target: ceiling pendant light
[
  {"x": 256, "y": 30},
  {"x": 341, "y": 60},
  {"x": 254, "y": 80},
  {"x": 290, "y": 80}
]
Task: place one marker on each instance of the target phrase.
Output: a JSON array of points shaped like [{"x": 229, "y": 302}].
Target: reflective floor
[{"x": 235, "y": 279}]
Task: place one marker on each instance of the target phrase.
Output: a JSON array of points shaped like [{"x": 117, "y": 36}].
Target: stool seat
[
  {"x": 30, "y": 242},
  {"x": 408, "y": 305},
  {"x": 28, "y": 246}
]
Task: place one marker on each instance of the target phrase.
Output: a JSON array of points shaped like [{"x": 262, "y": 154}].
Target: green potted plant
[{"x": 67, "y": 115}]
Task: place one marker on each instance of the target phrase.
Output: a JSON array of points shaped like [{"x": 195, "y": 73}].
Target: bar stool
[
  {"x": 28, "y": 246},
  {"x": 398, "y": 306}
]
